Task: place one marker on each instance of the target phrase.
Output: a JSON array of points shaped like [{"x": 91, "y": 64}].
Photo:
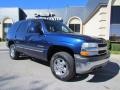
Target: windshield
[{"x": 57, "y": 26}]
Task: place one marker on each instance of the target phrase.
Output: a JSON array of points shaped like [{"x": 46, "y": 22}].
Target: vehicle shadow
[
  {"x": 107, "y": 73},
  {"x": 40, "y": 61},
  {"x": 24, "y": 58},
  {"x": 102, "y": 75}
]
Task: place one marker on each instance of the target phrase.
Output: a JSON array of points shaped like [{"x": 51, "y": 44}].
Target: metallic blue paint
[{"x": 46, "y": 40}]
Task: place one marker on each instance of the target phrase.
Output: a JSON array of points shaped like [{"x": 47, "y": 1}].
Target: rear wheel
[
  {"x": 13, "y": 53},
  {"x": 62, "y": 66}
]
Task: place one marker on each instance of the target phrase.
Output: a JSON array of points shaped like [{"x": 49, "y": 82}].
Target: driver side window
[{"x": 35, "y": 27}]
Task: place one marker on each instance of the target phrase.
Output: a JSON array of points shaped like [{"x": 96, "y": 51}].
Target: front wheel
[
  {"x": 62, "y": 66},
  {"x": 13, "y": 53}
]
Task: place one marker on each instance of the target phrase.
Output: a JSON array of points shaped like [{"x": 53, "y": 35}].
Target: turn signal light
[{"x": 84, "y": 53}]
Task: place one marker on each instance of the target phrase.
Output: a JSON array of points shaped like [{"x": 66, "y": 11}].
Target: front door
[{"x": 35, "y": 40}]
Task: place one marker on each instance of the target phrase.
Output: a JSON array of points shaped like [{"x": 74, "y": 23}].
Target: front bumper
[{"x": 87, "y": 64}]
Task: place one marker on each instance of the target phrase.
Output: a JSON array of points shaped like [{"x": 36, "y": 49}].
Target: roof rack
[
  {"x": 46, "y": 16},
  {"x": 50, "y": 16}
]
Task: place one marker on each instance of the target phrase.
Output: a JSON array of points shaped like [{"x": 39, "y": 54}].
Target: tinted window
[
  {"x": 23, "y": 27},
  {"x": 75, "y": 27},
  {"x": 14, "y": 27},
  {"x": 56, "y": 26},
  {"x": 35, "y": 27},
  {"x": 71, "y": 26}
]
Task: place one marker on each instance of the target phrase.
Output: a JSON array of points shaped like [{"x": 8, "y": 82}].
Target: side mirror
[{"x": 38, "y": 30}]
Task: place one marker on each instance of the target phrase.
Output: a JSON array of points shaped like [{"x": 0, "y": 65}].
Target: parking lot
[{"x": 27, "y": 74}]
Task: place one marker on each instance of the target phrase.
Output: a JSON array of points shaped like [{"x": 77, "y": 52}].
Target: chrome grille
[
  {"x": 102, "y": 52},
  {"x": 102, "y": 48},
  {"x": 102, "y": 45}
]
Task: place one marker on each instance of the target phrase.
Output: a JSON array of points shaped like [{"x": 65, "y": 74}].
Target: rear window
[
  {"x": 23, "y": 27},
  {"x": 14, "y": 27}
]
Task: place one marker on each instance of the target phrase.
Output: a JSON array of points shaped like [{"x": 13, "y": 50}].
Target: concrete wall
[
  {"x": 91, "y": 28},
  {"x": 116, "y": 3},
  {"x": 1, "y": 30},
  {"x": 97, "y": 25}
]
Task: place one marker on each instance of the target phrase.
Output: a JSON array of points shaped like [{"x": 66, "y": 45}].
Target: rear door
[{"x": 20, "y": 37}]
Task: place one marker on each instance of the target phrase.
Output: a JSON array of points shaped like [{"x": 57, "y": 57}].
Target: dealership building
[{"x": 98, "y": 18}]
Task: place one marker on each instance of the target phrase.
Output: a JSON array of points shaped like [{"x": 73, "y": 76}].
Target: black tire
[
  {"x": 13, "y": 53},
  {"x": 69, "y": 66}
]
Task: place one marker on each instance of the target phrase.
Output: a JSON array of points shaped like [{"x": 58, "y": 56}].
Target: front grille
[
  {"x": 102, "y": 52},
  {"x": 103, "y": 48},
  {"x": 102, "y": 45}
]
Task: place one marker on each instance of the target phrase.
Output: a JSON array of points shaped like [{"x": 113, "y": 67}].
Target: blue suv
[{"x": 52, "y": 41}]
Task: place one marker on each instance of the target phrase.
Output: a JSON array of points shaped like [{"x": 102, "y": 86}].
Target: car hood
[{"x": 84, "y": 38}]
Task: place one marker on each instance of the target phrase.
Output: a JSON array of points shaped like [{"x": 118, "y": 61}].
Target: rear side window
[
  {"x": 23, "y": 27},
  {"x": 14, "y": 27}
]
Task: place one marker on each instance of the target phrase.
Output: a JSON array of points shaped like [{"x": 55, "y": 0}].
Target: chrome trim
[
  {"x": 60, "y": 67},
  {"x": 96, "y": 49},
  {"x": 29, "y": 49},
  {"x": 83, "y": 65},
  {"x": 40, "y": 46}
]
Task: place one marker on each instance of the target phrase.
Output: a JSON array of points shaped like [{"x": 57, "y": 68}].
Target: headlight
[
  {"x": 89, "y": 49},
  {"x": 89, "y": 45}
]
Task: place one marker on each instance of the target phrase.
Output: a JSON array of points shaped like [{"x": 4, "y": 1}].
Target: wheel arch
[
  {"x": 10, "y": 43},
  {"x": 56, "y": 48}
]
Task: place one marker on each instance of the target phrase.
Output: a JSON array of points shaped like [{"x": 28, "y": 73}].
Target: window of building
[
  {"x": 75, "y": 24},
  {"x": 7, "y": 23},
  {"x": 75, "y": 27},
  {"x": 7, "y": 26},
  {"x": 115, "y": 15}
]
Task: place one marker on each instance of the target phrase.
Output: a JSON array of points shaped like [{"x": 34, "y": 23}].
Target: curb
[{"x": 4, "y": 49}]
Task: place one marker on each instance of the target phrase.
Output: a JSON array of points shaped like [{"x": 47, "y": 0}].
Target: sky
[{"x": 41, "y": 3}]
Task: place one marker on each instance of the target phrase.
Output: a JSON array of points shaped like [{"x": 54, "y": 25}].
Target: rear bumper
[{"x": 87, "y": 64}]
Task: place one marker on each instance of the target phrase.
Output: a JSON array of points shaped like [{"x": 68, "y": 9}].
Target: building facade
[{"x": 99, "y": 18}]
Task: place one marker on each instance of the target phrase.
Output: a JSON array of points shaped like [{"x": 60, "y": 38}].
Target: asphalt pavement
[{"x": 3, "y": 46}]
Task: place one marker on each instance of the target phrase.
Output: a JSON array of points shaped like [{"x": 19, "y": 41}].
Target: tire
[
  {"x": 63, "y": 66},
  {"x": 13, "y": 53}
]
